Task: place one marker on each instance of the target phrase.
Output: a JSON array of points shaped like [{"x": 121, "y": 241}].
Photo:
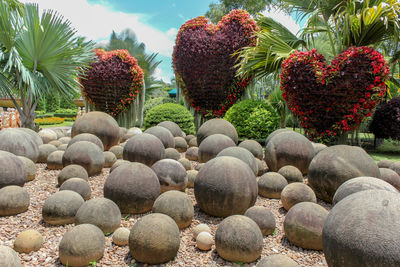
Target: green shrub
[
  {"x": 253, "y": 119},
  {"x": 170, "y": 112},
  {"x": 52, "y": 102},
  {"x": 151, "y": 103},
  {"x": 65, "y": 113}
]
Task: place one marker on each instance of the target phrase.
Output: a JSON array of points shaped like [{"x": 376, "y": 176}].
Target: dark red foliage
[{"x": 386, "y": 120}]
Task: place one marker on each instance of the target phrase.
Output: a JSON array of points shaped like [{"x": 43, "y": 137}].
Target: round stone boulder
[
  {"x": 242, "y": 154},
  {"x": 204, "y": 241},
  {"x": 36, "y": 137},
  {"x": 390, "y": 176},
  {"x": 55, "y": 143},
  {"x": 189, "y": 137},
  {"x": 171, "y": 174},
  {"x": 225, "y": 186},
  {"x": 212, "y": 145},
  {"x": 30, "y": 168},
  {"x": 19, "y": 143},
  {"x": 192, "y": 153},
  {"x": 144, "y": 148},
  {"x": 163, "y": 134},
  {"x": 200, "y": 228},
  {"x": 385, "y": 163},
  {"x": 154, "y": 239},
  {"x": 295, "y": 193},
  {"x": 172, "y": 153},
  {"x": 44, "y": 151},
  {"x": 47, "y": 135},
  {"x": 193, "y": 142},
  {"x": 13, "y": 200},
  {"x": 134, "y": 131},
  {"x": 65, "y": 140},
  {"x": 318, "y": 147},
  {"x": 109, "y": 159},
  {"x": 60, "y": 133},
  {"x": 122, "y": 132},
  {"x": 55, "y": 160},
  {"x": 363, "y": 228},
  {"x": 180, "y": 144},
  {"x": 78, "y": 185},
  {"x": 172, "y": 127},
  {"x": 303, "y": 225},
  {"x": 277, "y": 260},
  {"x": 117, "y": 150},
  {"x": 185, "y": 163},
  {"x": 176, "y": 205},
  {"x": 121, "y": 236},
  {"x": 133, "y": 187},
  {"x": 263, "y": 217},
  {"x": 216, "y": 126},
  {"x": 81, "y": 245},
  {"x": 254, "y": 147},
  {"x": 271, "y": 184},
  {"x": 61, "y": 207},
  {"x": 291, "y": 174},
  {"x": 260, "y": 167},
  {"x": 238, "y": 239},
  {"x": 62, "y": 147},
  {"x": 118, "y": 163},
  {"x": 101, "y": 125},
  {"x": 191, "y": 176},
  {"x": 12, "y": 170},
  {"x": 198, "y": 166},
  {"x": 86, "y": 154},
  {"x": 335, "y": 165},
  {"x": 395, "y": 166},
  {"x": 27, "y": 241},
  {"x": 72, "y": 171},
  {"x": 8, "y": 257},
  {"x": 87, "y": 137}
]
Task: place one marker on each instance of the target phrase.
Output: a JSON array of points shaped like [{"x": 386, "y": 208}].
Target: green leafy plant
[
  {"x": 151, "y": 103},
  {"x": 274, "y": 232},
  {"x": 93, "y": 263}
]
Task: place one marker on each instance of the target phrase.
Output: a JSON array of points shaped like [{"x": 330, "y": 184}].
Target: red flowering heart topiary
[
  {"x": 113, "y": 81},
  {"x": 330, "y": 100},
  {"x": 204, "y": 64}
]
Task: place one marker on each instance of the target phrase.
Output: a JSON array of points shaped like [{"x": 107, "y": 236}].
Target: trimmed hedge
[
  {"x": 386, "y": 120},
  {"x": 151, "y": 103}
]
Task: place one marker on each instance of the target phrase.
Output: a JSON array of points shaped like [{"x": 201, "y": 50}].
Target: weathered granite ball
[
  {"x": 390, "y": 176},
  {"x": 47, "y": 135},
  {"x": 27, "y": 241},
  {"x": 72, "y": 171},
  {"x": 8, "y": 257},
  {"x": 65, "y": 140},
  {"x": 117, "y": 150},
  {"x": 121, "y": 236},
  {"x": 192, "y": 153},
  {"x": 55, "y": 160},
  {"x": 200, "y": 228},
  {"x": 13, "y": 200},
  {"x": 12, "y": 171},
  {"x": 172, "y": 127},
  {"x": 61, "y": 207},
  {"x": 385, "y": 163},
  {"x": 44, "y": 151},
  {"x": 204, "y": 241},
  {"x": 78, "y": 185},
  {"x": 291, "y": 174},
  {"x": 254, "y": 147},
  {"x": 216, "y": 126},
  {"x": 30, "y": 168},
  {"x": 193, "y": 142},
  {"x": 185, "y": 163},
  {"x": 191, "y": 176},
  {"x": 212, "y": 145},
  {"x": 271, "y": 184},
  {"x": 277, "y": 260},
  {"x": 242, "y": 154},
  {"x": 238, "y": 239},
  {"x": 180, "y": 144},
  {"x": 171, "y": 174},
  {"x": 87, "y": 137},
  {"x": 118, "y": 163},
  {"x": 395, "y": 166},
  {"x": 19, "y": 143},
  {"x": 36, "y": 137},
  {"x": 154, "y": 239},
  {"x": 55, "y": 143},
  {"x": 163, "y": 134},
  {"x": 144, "y": 148},
  {"x": 263, "y": 217},
  {"x": 172, "y": 153},
  {"x": 295, "y": 193},
  {"x": 109, "y": 159}
]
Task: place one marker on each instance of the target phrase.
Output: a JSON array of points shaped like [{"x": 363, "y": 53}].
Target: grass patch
[{"x": 65, "y": 123}]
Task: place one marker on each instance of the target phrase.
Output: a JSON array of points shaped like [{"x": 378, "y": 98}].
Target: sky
[{"x": 155, "y": 22}]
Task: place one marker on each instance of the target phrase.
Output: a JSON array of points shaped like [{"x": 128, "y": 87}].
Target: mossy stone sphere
[
  {"x": 295, "y": 193},
  {"x": 117, "y": 150},
  {"x": 385, "y": 163},
  {"x": 36, "y": 137},
  {"x": 189, "y": 137},
  {"x": 47, "y": 135},
  {"x": 13, "y": 200},
  {"x": 217, "y": 126},
  {"x": 277, "y": 260},
  {"x": 60, "y": 208},
  {"x": 12, "y": 170},
  {"x": 390, "y": 176},
  {"x": 65, "y": 140},
  {"x": 28, "y": 241},
  {"x": 144, "y": 148},
  {"x": 55, "y": 143},
  {"x": 193, "y": 142},
  {"x": 121, "y": 236},
  {"x": 87, "y": 137},
  {"x": 180, "y": 144},
  {"x": 118, "y": 163},
  {"x": 191, "y": 176},
  {"x": 212, "y": 145},
  {"x": 185, "y": 163}
]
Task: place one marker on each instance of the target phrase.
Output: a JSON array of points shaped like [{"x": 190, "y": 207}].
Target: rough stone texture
[
  {"x": 118, "y": 163},
  {"x": 225, "y": 186},
  {"x": 318, "y": 147},
  {"x": 204, "y": 241},
  {"x": 277, "y": 260},
  {"x": 242, "y": 154},
  {"x": 254, "y": 147},
  {"x": 61, "y": 207},
  {"x": 36, "y": 137},
  {"x": 185, "y": 163},
  {"x": 200, "y": 228},
  {"x": 81, "y": 245},
  {"x": 102, "y": 212},
  {"x": 172, "y": 127},
  {"x": 163, "y": 134},
  {"x": 172, "y": 153},
  {"x": 260, "y": 167},
  {"x": 395, "y": 166},
  {"x": 47, "y": 135},
  {"x": 192, "y": 153},
  {"x": 189, "y": 137},
  {"x": 55, "y": 143},
  {"x": 193, "y": 142},
  {"x": 27, "y": 241},
  {"x": 180, "y": 144},
  {"x": 191, "y": 176},
  {"x": 87, "y": 137},
  {"x": 289, "y": 148},
  {"x": 154, "y": 239},
  {"x": 121, "y": 236},
  {"x": 86, "y": 154},
  {"x": 133, "y": 187},
  {"x": 385, "y": 163},
  {"x": 263, "y": 217},
  {"x": 171, "y": 174},
  {"x": 8, "y": 257},
  {"x": 19, "y": 143},
  {"x": 12, "y": 171},
  {"x": 117, "y": 150},
  {"x": 291, "y": 174},
  {"x": 55, "y": 160},
  {"x": 72, "y": 171},
  {"x": 44, "y": 151},
  {"x": 216, "y": 126},
  {"x": 238, "y": 239},
  {"x": 337, "y": 164},
  {"x": 358, "y": 226},
  {"x": 390, "y": 176},
  {"x": 65, "y": 140},
  {"x": 78, "y": 185},
  {"x": 212, "y": 145},
  {"x": 303, "y": 225},
  {"x": 176, "y": 205},
  {"x": 13, "y": 200},
  {"x": 109, "y": 159},
  {"x": 295, "y": 193},
  {"x": 271, "y": 184},
  {"x": 30, "y": 168},
  {"x": 144, "y": 148}
]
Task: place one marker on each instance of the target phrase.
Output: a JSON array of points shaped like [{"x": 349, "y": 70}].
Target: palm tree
[{"x": 39, "y": 55}]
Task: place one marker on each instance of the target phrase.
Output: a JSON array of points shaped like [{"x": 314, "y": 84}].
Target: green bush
[
  {"x": 170, "y": 112},
  {"x": 151, "y": 103},
  {"x": 52, "y": 102},
  {"x": 253, "y": 119}
]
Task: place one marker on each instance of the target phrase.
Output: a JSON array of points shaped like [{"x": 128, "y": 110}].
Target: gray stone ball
[
  {"x": 189, "y": 137},
  {"x": 12, "y": 170},
  {"x": 198, "y": 166},
  {"x": 242, "y": 154},
  {"x": 72, "y": 171},
  {"x": 55, "y": 143},
  {"x": 276, "y": 132},
  {"x": 212, "y": 145},
  {"x": 8, "y": 257},
  {"x": 254, "y": 147},
  {"x": 60, "y": 208},
  {"x": 30, "y": 168},
  {"x": 117, "y": 150},
  {"x": 163, "y": 134},
  {"x": 36, "y": 137},
  {"x": 193, "y": 142},
  {"x": 13, "y": 200},
  {"x": 185, "y": 163},
  {"x": 65, "y": 140},
  {"x": 180, "y": 144},
  {"x": 44, "y": 151},
  {"x": 172, "y": 127},
  {"x": 78, "y": 185},
  {"x": 390, "y": 176},
  {"x": 263, "y": 217},
  {"x": 271, "y": 184},
  {"x": 62, "y": 147},
  {"x": 109, "y": 159},
  {"x": 122, "y": 132},
  {"x": 318, "y": 147},
  {"x": 47, "y": 135},
  {"x": 118, "y": 163},
  {"x": 144, "y": 148},
  {"x": 172, "y": 153},
  {"x": 295, "y": 193},
  {"x": 19, "y": 143},
  {"x": 60, "y": 132},
  {"x": 87, "y": 137},
  {"x": 191, "y": 176},
  {"x": 192, "y": 153},
  {"x": 395, "y": 166},
  {"x": 55, "y": 160},
  {"x": 171, "y": 174},
  {"x": 291, "y": 174},
  {"x": 216, "y": 126},
  {"x": 277, "y": 260},
  {"x": 385, "y": 163},
  {"x": 120, "y": 236},
  {"x": 260, "y": 167}
]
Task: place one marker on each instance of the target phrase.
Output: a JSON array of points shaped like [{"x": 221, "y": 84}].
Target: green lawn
[{"x": 65, "y": 123}]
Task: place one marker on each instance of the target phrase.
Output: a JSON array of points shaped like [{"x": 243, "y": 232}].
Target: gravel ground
[{"x": 45, "y": 185}]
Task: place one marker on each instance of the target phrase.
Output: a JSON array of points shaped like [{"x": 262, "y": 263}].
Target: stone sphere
[
  {"x": 134, "y": 131},
  {"x": 390, "y": 176},
  {"x": 180, "y": 144},
  {"x": 200, "y": 228},
  {"x": 121, "y": 236},
  {"x": 276, "y": 132},
  {"x": 361, "y": 184},
  {"x": 44, "y": 151},
  {"x": 118, "y": 163},
  {"x": 271, "y": 184},
  {"x": 289, "y": 148},
  {"x": 19, "y": 143},
  {"x": 61, "y": 207},
  {"x": 35, "y": 136},
  {"x": 81, "y": 245},
  {"x": 47, "y": 135},
  {"x": 86, "y": 154},
  {"x": 395, "y": 166},
  {"x": 87, "y": 137},
  {"x": 154, "y": 239},
  {"x": 192, "y": 153},
  {"x": 303, "y": 225},
  {"x": 72, "y": 171},
  {"x": 185, "y": 163},
  {"x": 193, "y": 142},
  {"x": 363, "y": 228},
  {"x": 55, "y": 143},
  {"x": 27, "y": 241},
  {"x": 295, "y": 193},
  {"x": 117, "y": 150},
  {"x": 191, "y": 176},
  {"x": 385, "y": 163},
  {"x": 55, "y": 160},
  {"x": 163, "y": 134},
  {"x": 62, "y": 147},
  {"x": 242, "y": 154},
  {"x": 263, "y": 217},
  {"x": 216, "y": 126},
  {"x": 65, "y": 140},
  {"x": 176, "y": 205},
  {"x": 318, "y": 147},
  {"x": 198, "y": 166},
  {"x": 172, "y": 153},
  {"x": 144, "y": 148},
  {"x": 212, "y": 145},
  {"x": 291, "y": 174},
  {"x": 238, "y": 239},
  {"x": 189, "y": 137},
  {"x": 277, "y": 260},
  {"x": 13, "y": 200},
  {"x": 8, "y": 257},
  {"x": 12, "y": 170},
  {"x": 171, "y": 174},
  {"x": 109, "y": 159},
  {"x": 133, "y": 187},
  {"x": 260, "y": 167},
  {"x": 204, "y": 241},
  {"x": 30, "y": 168},
  {"x": 225, "y": 186},
  {"x": 172, "y": 127},
  {"x": 59, "y": 132},
  {"x": 335, "y": 165},
  {"x": 77, "y": 185},
  {"x": 254, "y": 147},
  {"x": 102, "y": 212},
  {"x": 122, "y": 132}
]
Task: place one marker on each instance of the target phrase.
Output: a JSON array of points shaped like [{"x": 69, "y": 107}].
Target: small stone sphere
[
  {"x": 192, "y": 153},
  {"x": 263, "y": 217},
  {"x": 78, "y": 185},
  {"x": 193, "y": 142},
  {"x": 81, "y": 245},
  {"x": 117, "y": 150},
  {"x": 44, "y": 151},
  {"x": 61, "y": 207},
  {"x": 200, "y": 228},
  {"x": 118, "y": 163},
  {"x": 154, "y": 239},
  {"x": 36, "y": 137},
  {"x": 260, "y": 166},
  {"x": 47, "y": 135},
  {"x": 13, "y": 200},
  {"x": 242, "y": 154},
  {"x": 212, "y": 145},
  {"x": 171, "y": 174},
  {"x": 144, "y": 148},
  {"x": 172, "y": 127},
  {"x": 72, "y": 171},
  {"x": 216, "y": 126},
  {"x": 204, "y": 241},
  {"x": 172, "y": 153},
  {"x": 176, "y": 205},
  {"x": 385, "y": 163},
  {"x": 254, "y": 147},
  {"x": 102, "y": 212},
  {"x": 30, "y": 168},
  {"x": 277, "y": 260},
  {"x": 271, "y": 184},
  {"x": 62, "y": 147},
  {"x": 395, "y": 166},
  {"x": 8, "y": 257},
  {"x": 180, "y": 144},
  {"x": 55, "y": 160},
  {"x": 87, "y": 137},
  {"x": 291, "y": 174},
  {"x": 65, "y": 140},
  {"x": 238, "y": 239},
  {"x": 109, "y": 159},
  {"x": 55, "y": 143},
  {"x": 121, "y": 236},
  {"x": 191, "y": 176},
  {"x": 189, "y": 137},
  {"x": 185, "y": 163},
  {"x": 295, "y": 193},
  {"x": 163, "y": 134},
  {"x": 27, "y": 241},
  {"x": 391, "y": 177}
]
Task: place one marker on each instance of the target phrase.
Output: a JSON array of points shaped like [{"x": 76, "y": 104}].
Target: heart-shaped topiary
[
  {"x": 113, "y": 81},
  {"x": 330, "y": 100},
  {"x": 204, "y": 64}
]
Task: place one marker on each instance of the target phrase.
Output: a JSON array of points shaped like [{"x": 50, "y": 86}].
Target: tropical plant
[{"x": 386, "y": 120}]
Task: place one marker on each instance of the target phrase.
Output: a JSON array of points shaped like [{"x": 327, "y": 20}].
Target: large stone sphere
[
  {"x": 277, "y": 260},
  {"x": 133, "y": 187},
  {"x": 303, "y": 225},
  {"x": 36, "y": 137},
  {"x": 61, "y": 207},
  {"x": 101, "y": 125},
  {"x": 238, "y": 239},
  {"x": 289, "y": 148},
  {"x": 276, "y": 132},
  {"x": 395, "y": 166},
  {"x": 86, "y": 137},
  {"x": 363, "y": 229},
  {"x": 72, "y": 171},
  {"x": 263, "y": 217},
  {"x": 271, "y": 184},
  {"x": 44, "y": 151},
  {"x": 225, "y": 186},
  {"x": 78, "y": 185},
  {"x": 55, "y": 160},
  {"x": 12, "y": 171},
  {"x": 13, "y": 200},
  {"x": 8, "y": 257},
  {"x": 295, "y": 193},
  {"x": 172, "y": 127},
  {"x": 180, "y": 144},
  {"x": 154, "y": 239},
  {"x": 30, "y": 168},
  {"x": 212, "y": 145},
  {"x": 118, "y": 163},
  {"x": 19, "y": 143},
  {"x": 291, "y": 174},
  {"x": 192, "y": 153},
  {"x": 27, "y": 241},
  {"x": 254, "y": 147},
  {"x": 318, "y": 147},
  {"x": 83, "y": 244},
  {"x": 86, "y": 154},
  {"x": 165, "y": 136},
  {"x": 216, "y": 126},
  {"x": 144, "y": 148},
  {"x": 171, "y": 174},
  {"x": 335, "y": 165},
  {"x": 47, "y": 135},
  {"x": 390, "y": 176},
  {"x": 242, "y": 154}
]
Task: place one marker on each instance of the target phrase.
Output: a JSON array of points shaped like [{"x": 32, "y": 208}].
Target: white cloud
[
  {"x": 283, "y": 18},
  {"x": 159, "y": 74}
]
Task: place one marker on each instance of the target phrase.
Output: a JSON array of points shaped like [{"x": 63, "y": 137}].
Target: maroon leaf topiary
[{"x": 386, "y": 120}]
